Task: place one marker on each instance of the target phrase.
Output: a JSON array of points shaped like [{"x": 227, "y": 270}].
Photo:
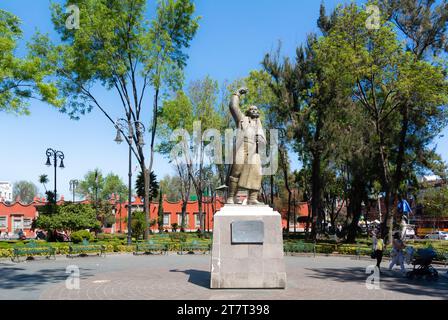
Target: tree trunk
[
  {"x": 398, "y": 176},
  {"x": 184, "y": 210},
  {"x": 401, "y": 149},
  {"x": 200, "y": 213},
  {"x": 355, "y": 209},
  {"x": 356, "y": 214},
  {"x": 146, "y": 202},
  {"x": 316, "y": 186},
  {"x": 315, "y": 195},
  {"x": 307, "y": 228},
  {"x": 285, "y": 176},
  {"x": 151, "y": 159},
  {"x": 388, "y": 218}
]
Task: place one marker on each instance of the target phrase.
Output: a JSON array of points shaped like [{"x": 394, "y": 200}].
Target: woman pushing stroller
[{"x": 397, "y": 253}]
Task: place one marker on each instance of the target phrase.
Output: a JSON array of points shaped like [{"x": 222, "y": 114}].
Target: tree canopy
[
  {"x": 95, "y": 183},
  {"x": 22, "y": 78},
  {"x": 69, "y": 217},
  {"x": 25, "y": 191}
]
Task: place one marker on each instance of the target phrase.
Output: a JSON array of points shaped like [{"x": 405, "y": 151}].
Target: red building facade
[{"x": 18, "y": 216}]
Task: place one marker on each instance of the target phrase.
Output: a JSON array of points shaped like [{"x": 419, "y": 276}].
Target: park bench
[
  {"x": 32, "y": 249},
  {"x": 194, "y": 246},
  {"x": 299, "y": 247},
  {"x": 85, "y": 248},
  {"x": 150, "y": 247}
]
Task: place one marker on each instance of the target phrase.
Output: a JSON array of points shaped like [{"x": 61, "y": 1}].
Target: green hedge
[
  {"x": 325, "y": 248},
  {"x": 81, "y": 235},
  {"x": 174, "y": 242},
  {"x": 111, "y": 237}
]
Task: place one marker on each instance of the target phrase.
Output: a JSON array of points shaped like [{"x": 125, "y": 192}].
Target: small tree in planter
[{"x": 160, "y": 213}]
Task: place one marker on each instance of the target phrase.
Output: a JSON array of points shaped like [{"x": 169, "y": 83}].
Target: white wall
[{"x": 5, "y": 191}]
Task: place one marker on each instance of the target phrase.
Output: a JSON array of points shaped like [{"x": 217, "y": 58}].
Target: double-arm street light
[
  {"x": 73, "y": 185},
  {"x": 51, "y": 153},
  {"x": 122, "y": 126}
]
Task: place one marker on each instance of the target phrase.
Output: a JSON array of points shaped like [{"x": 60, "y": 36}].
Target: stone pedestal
[{"x": 247, "y": 249}]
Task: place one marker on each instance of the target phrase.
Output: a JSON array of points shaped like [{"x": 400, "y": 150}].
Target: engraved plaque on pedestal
[{"x": 247, "y": 232}]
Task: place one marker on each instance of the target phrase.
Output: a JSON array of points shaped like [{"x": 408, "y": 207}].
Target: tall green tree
[
  {"x": 68, "y": 217},
  {"x": 160, "y": 212},
  {"x": 97, "y": 186},
  {"x": 177, "y": 113},
  {"x": 99, "y": 190},
  {"x": 91, "y": 187},
  {"x": 435, "y": 203},
  {"x": 172, "y": 187},
  {"x": 360, "y": 108},
  {"x": 372, "y": 67},
  {"x": 424, "y": 26},
  {"x": 118, "y": 48},
  {"x": 304, "y": 103},
  {"x": 113, "y": 184},
  {"x": 140, "y": 186},
  {"x": 195, "y": 112},
  {"x": 22, "y": 78},
  {"x": 43, "y": 179},
  {"x": 25, "y": 191},
  {"x": 423, "y": 23}
]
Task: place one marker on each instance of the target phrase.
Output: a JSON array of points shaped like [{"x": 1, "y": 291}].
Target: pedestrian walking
[
  {"x": 378, "y": 248},
  {"x": 397, "y": 253}
]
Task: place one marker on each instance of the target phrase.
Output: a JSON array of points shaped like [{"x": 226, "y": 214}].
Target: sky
[{"x": 232, "y": 39}]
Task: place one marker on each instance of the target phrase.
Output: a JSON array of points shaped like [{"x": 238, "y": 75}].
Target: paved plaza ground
[{"x": 187, "y": 277}]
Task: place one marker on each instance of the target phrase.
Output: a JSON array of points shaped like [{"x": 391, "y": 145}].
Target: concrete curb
[{"x": 310, "y": 255}]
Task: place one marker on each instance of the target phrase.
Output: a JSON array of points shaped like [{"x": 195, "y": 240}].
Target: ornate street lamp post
[
  {"x": 51, "y": 153},
  {"x": 73, "y": 185},
  {"x": 122, "y": 126}
]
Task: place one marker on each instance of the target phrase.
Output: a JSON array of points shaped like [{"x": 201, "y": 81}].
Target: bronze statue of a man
[{"x": 246, "y": 168}]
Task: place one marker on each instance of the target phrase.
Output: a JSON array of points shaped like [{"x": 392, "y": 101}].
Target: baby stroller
[{"x": 422, "y": 265}]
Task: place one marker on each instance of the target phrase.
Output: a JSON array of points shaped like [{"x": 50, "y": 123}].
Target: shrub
[
  {"x": 81, "y": 235},
  {"x": 111, "y": 237},
  {"x": 104, "y": 236},
  {"x": 6, "y": 253},
  {"x": 123, "y": 248},
  {"x": 120, "y": 236},
  {"x": 326, "y": 249},
  {"x": 350, "y": 250},
  {"x": 182, "y": 237},
  {"x": 64, "y": 250},
  {"x": 138, "y": 224},
  {"x": 109, "y": 247}
]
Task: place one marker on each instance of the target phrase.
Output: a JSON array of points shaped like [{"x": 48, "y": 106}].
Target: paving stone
[{"x": 175, "y": 277}]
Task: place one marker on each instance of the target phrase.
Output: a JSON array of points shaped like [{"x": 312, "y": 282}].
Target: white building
[{"x": 5, "y": 191}]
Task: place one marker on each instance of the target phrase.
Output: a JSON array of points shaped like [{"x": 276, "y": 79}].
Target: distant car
[{"x": 437, "y": 235}]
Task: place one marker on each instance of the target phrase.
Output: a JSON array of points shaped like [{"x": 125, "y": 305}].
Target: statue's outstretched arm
[{"x": 235, "y": 105}]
